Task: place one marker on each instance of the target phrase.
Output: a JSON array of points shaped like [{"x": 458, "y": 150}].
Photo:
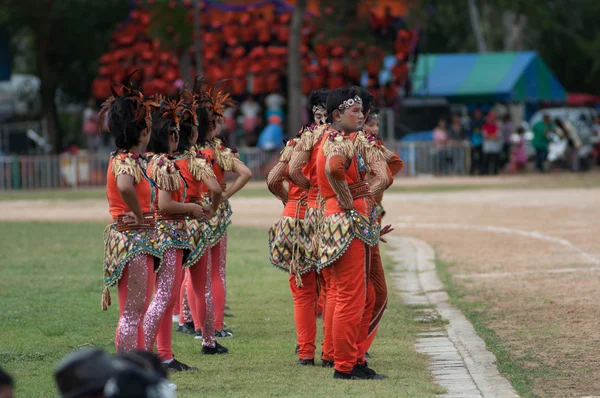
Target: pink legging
[
  {"x": 184, "y": 311},
  {"x": 135, "y": 291},
  {"x": 158, "y": 316},
  {"x": 219, "y": 283},
  {"x": 201, "y": 301}
]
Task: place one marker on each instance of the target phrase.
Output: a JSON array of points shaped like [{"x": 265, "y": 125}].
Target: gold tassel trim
[
  {"x": 286, "y": 153},
  {"x": 200, "y": 169},
  {"x": 127, "y": 166},
  {"x": 369, "y": 152},
  {"x": 105, "y": 299},
  {"x": 166, "y": 176},
  {"x": 339, "y": 145}
]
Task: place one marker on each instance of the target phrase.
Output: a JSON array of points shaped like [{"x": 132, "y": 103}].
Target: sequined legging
[
  {"x": 135, "y": 290},
  {"x": 159, "y": 313},
  {"x": 219, "y": 284}
]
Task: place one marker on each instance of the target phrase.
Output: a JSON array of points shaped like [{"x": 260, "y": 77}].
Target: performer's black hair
[
  {"x": 337, "y": 97},
  {"x": 317, "y": 97},
  {"x": 162, "y": 128},
  {"x": 122, "y": 123}
]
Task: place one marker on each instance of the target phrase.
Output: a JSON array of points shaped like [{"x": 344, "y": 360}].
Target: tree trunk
[
  {"x": 185, "y": 64},
  {"x": 295, "y": 70},
  {"x": 50, "y": 121},
  {"x": 476, "y": 26},
  {"x": 198, "y": 39}
]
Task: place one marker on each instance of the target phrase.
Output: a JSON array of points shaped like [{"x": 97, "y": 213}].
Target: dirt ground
[{"x": 532, "y": 255}]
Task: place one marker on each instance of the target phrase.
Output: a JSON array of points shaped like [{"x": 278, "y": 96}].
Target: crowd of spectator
[{"x": 250, "y": 48}]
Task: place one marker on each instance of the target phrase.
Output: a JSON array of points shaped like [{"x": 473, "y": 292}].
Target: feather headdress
[
  {"x": 213, "y": 98},
  {"x": 143, "y": 105}
]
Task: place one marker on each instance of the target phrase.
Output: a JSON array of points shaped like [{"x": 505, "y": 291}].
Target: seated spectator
[{"x": 6, "y": 385}]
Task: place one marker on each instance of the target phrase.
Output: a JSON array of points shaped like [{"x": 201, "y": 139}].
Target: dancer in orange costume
[
  {"x": 129, "y": 240},
  {"x": 223, "y": 159},
  {"x": 302, "y": 173},
  {"x": 288, "y": 240},
  {"x": 197, "y": 171},
  {"x": 348, "y": 230},
  {"x": 171, "y": 229},
  {"x": 382, "y": 165}
]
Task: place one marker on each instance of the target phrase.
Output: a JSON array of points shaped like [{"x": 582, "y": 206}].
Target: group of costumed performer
[
  {"x": 336, "y": 174},
  {"x": 159, "y": 227}
]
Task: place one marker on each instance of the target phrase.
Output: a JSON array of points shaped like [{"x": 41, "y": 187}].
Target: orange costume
[
  {"x": 348, "y": 231},
  {"x": 288, "y": 243},
  {"x": 129, "y": 250},
  {"x": 382, "y": 165}
]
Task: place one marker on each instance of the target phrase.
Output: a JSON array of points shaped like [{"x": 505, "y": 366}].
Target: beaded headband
[{"x": 349, "y": 102}]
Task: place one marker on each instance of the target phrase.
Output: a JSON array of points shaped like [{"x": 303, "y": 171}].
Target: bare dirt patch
[{"x": 550, "y": 323}]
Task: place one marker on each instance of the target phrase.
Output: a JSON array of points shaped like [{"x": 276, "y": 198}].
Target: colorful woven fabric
[
  {"x": 171, "y": 234},
  {"x": 288, "y": 239},
  {"x": 199, "y": 236},
  {"x": 336, "y": 236},
  {"x": 219, "y": 222},
  {"x": 313, "y": 219},
  {"x": 121, "y": 247}
]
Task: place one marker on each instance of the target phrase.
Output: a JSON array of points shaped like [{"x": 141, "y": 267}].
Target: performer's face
[
  {"x": 352, "y": 118},
  {"x": 320, "y": 116},
  {"x": 372, "y": 127}
]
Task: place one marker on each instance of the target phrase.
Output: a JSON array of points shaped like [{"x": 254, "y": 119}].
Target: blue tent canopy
[{"x": 507, "y": 76}]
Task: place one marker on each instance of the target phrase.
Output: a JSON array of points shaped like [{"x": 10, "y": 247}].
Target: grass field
[{"x": 50, "y": 305}]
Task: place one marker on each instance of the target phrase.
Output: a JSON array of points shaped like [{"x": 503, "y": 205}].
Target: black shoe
[
  {"x": 228, "y": 315},
  {"x": 327, "y": 364},
  {"x": 176, "y": 366},
  {"x": 367, "y": 355},
  {"x": 187, "y": 328},
  {"x": 198, "y": 334},
  {"x": 306, "y": 362},
  {"x": 223, "y": 333},
  {"x": 343, "y": 376},
  {"x": 217, "y": 349},
  {"x": 227, "y": 307},
  {"x": 370, "y": 373}
]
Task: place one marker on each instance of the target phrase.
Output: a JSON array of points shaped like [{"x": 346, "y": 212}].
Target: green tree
[{"x": 68, "y": 37}]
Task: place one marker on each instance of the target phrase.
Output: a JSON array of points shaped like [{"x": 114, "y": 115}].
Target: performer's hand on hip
[{"x": 384, "y": 231}]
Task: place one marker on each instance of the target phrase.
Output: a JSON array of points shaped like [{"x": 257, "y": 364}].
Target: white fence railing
[{"x": 89, "y": 169}]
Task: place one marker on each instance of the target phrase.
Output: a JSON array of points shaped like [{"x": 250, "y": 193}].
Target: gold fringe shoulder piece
[
  {"x": 224, "y": 158},
  {"x": 368, "y": 148},
  {"x": 337, "y": 143},
  {"x": 200, "y": 167},
  {"x": 129, "y": 164},
  {"x": 165, "y": 173},
  {"x": 286, "y": 153}
]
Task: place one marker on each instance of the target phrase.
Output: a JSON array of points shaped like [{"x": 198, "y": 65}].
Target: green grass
[
  {"x": 50, "y": 304},
  {"x": 510, "y": 363}
]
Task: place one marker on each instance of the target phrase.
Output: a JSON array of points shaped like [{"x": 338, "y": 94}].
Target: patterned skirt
[
  {"x": 312, "y": 224},
  {"x": 219, "y": 222},
  {"x": 288, "y": 240},
  {"x": 199, "y": 236},
  {"x": 120, "y": 247},
  {"x": 172, "y": 234}
]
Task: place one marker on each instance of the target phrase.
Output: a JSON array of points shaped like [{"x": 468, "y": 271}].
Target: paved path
[{"x": 460, "y": 362}]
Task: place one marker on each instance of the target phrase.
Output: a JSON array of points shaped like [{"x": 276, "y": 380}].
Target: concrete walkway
[{"x": 460, "y": 362}]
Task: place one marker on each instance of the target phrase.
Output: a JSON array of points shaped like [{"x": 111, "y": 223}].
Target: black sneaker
[
  {"x": 198, "y": 334},
  {"x": 187, "y": 328},
  {"x": 367, "y": 371},
  {"x": 228, "y": 315},
  {"x": 176, "y": 366},
  {"x": 223, "y": 333},
  {"x": 306, "y": 362},
  {"x": 344, "y": 376},
  {"x": 227, "y": 307},
  {"x": 327, "y": 364},
  {"x": 217, "y": 349}
]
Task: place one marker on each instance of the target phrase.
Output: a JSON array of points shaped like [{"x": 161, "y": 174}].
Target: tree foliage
[
  {"x": 565, "y": 33},
  {"x": 68, "y": 37}
]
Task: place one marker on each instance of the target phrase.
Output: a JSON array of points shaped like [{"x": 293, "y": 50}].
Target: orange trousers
[
  {"x": 349, "y": 276},
  {"x": 375, "y": 305},
  {"x": 135, "y": 291},
  {"x": 329, "y": 293},
  {"x": 305, "y": 313}
]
